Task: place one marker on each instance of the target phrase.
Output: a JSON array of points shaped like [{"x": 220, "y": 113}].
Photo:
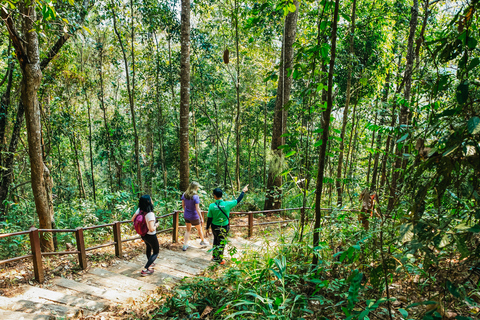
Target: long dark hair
[{"x": 145, "y": 203}]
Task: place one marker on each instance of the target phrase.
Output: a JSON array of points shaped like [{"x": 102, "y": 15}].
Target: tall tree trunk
[
  {"x": 7, "y": 176},
  {"x": 28, "y": 55},
  {"x": 404, "y": 111},
  {"x": 4, "y": 106},
  {"x": 184, "y": 94},
  {"x": 161, "y": 120},
  {"x": 130, "y": 91},
  {"x": 195, "y": 144},
  {"x": 90, "y": 145},
  {"x": 326, "y": 127},
  {"x": 237, "y": 119},
  {"x": 265, "y": 140},
  {"x": 338, "y": 184},
  {"x": 373, "y": 186},
  {"x": 101, "y": 97},
  {"x": 274, "y": 183},
  {"x": 371, "y": 146},
  {"x": 350, "y": 146},
  {"x": 81, "y": 188}
]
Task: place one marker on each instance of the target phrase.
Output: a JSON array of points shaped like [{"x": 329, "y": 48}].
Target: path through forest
[{"x": 98, "y": 291}]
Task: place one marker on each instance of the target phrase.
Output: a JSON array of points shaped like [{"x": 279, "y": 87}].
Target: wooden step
[
  {"x": 61, "y": 298},
  {"x": 111, "y": 295},
  {"x": 36, "y": 306},
  {"x": 14, "y": 315},
  {"x": 117, "y": 281},
  {"x": 161, "y": 275}
]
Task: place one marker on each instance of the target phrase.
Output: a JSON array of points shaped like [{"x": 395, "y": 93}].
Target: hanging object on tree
[{"x": 225, "y": 56}]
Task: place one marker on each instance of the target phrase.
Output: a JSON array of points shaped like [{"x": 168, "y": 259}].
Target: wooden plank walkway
[{"x": 99, "y": 289}]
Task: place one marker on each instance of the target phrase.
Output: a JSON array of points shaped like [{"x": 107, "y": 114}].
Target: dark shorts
[{"x": 193, "y": 222}]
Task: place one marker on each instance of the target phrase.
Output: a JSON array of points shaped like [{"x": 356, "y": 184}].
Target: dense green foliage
[{"x": 420, "y": 155}]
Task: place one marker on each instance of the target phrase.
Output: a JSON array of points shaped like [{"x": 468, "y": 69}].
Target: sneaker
[
  {"x": 203, "y": 243},
  {"x": 152, "y": 265},
  {"x": 184, "y": 248},
  {"x": 145, "y": 273}
]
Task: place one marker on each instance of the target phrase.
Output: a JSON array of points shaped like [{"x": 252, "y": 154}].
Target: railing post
[
  {"x": 37, "y": 255},
  {"x": 250, "y": 224},
  {"x": 175, "y": 227},
  {"x": 82, "y": 255},
  {"x": 117, "y": 237}
]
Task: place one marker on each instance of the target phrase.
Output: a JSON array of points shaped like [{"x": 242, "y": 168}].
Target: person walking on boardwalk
[
  {"x": 144, "y": 222},
  {"x": 192, "y": 213},
  {"x": 219, "y": 218}
]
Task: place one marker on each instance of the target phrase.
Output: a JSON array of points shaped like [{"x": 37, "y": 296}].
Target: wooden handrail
[{"x": 36, "y": 253}]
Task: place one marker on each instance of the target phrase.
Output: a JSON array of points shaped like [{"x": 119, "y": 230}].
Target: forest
[{"x": 366, "y": 113}]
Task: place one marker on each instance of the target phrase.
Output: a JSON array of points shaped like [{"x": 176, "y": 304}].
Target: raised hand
[{"x": 245, "y": 189}]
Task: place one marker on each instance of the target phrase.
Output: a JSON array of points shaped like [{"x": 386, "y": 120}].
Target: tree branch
[
  {"x": 15, "y": 37},
  {"x": 54, "y": 50}
]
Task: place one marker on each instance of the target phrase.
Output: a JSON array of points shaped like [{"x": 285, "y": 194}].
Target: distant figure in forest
[
  {"x": 145, "y": 208},
  {"x": 192, "y": 213},
  {"x": 368, "y": 207},
  {"x": 219, "y": 218}
]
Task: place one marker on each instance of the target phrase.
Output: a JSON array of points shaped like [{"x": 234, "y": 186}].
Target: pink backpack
[{"x": 140, "y": 224}]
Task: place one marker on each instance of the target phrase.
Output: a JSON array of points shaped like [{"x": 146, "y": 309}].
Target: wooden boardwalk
[{"x": 99, "y": 289}]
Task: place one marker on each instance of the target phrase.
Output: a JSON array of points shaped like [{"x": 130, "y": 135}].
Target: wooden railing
[{"x": 81, "y": 251}]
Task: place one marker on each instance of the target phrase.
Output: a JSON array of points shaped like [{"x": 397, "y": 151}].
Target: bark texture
[
  {"x": 184, "y": 94},
  {"x": 404, "y": 111},
  {"x": 338, "y": 183},
  {"x": 325, "y": 125},
  {"x": 274, "y": 182}
]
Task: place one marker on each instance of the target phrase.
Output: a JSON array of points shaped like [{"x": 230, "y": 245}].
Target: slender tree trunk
[
  {"x": 350, "y": 146},
  {"x": 237, "y": 119},
  {"x": 101, "y": 97},
  {"x": 338, "y": 183},
  {"x": 130, "y": 91},
  {"x": 161, "y": 120},
  {"x": 81, "y": 188},
  {"x": 90, "y": 145},
  {"x": 373, "y": 186},
  {"x": 4, "y": 106},
  {"x": 195, "y": 142},
  {"x": 371, "y": 146},
  {"x": 404, "y": 111},
  {"x": 326, "y": 127},
  {"x": 28, "y": 56},
  {"x": 265, "y": 140},
  {"x": 274, "y": 183},
  {"x": 7, "y": 176},
  {"x": 184, "y": 94}
]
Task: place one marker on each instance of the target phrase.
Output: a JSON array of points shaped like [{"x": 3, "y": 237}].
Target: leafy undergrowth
[{"x": 279, "y": 282}]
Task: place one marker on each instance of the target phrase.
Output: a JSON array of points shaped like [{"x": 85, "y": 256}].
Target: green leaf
[
  {"x": 462, "y": 92},
  {"x": 405, "y": 136},
  {"x": 472, "y": 43},
  {"x": 473, "y": 125},
  {"x": 71, "y": 2},
  {"x": 291, "y": 153},
  {"x": 474, "y": 63},
  {"x": 403, "y": 312},
  {"x": 450, "y": 150},
  {"x": 318, "y": 143},
  {"x": 363, "y": 314},
  {"x": 292, "y": 7}
]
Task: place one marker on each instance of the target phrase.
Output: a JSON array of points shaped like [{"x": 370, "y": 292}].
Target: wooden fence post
[
  {"x": 82, "y": 255},
  {"x": 37, "y": 255},
  {"x": 175, "y": 227},
  {"x": 250, "y": 224},
  {"x": 117, "y": 237}
]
